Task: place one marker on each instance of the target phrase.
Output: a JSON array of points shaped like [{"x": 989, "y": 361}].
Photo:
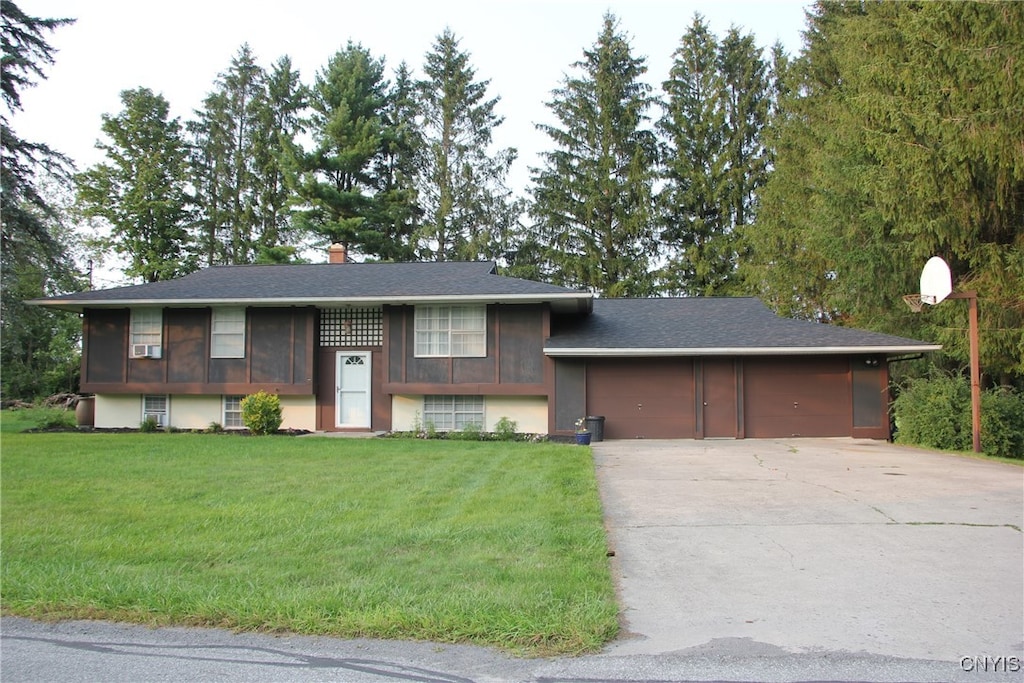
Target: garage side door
[
  {"x": 643, "y": 398},
  {"x": 797, "y": 397}
]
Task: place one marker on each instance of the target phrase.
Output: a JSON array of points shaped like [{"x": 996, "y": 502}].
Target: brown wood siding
[
  {"x": 642, "y": 398},
  {"x": 514, "y": 364},
  {"x": 279, "y": 356},
  {"x": 570, "y": 393},
  {"x": 229, "y": 370},
  {"x": 521, "y": 333},
  {"x": 147, "y": 370},
  {"x": 807, "y": 396},
  {"x": 395, "y": 336},
  {"x": 271, "y": 345},
  {"x": 104, "y": 347},
  {"x": 187, "y": 348}
]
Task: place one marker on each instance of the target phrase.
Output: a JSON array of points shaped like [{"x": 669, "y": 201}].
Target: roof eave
[
  {"x": 741, "y": 351},
  {"x": 583, "y": 301}
]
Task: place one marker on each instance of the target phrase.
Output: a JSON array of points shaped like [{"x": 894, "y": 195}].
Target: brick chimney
[{"x": 336, "y": 253}]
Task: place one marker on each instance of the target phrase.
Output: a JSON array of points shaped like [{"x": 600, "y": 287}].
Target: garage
[
  {"x": 642, "y": 398},
  {"x": 807, "y": 396},
  {"x": 720, "y": 368}
]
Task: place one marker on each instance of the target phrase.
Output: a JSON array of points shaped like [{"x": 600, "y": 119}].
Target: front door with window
[{"x": 353, "y": 387}]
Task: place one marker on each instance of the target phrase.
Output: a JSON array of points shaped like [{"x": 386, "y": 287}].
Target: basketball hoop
[{"x": 914, "y": 301}]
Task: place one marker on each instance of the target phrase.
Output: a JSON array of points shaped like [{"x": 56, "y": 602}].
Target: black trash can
[{"x": 595, "y": 425}]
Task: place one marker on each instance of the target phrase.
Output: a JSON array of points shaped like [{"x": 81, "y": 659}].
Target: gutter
[
  {"x": 737, "y": 351},
  {"x": 584, "y": 301}
]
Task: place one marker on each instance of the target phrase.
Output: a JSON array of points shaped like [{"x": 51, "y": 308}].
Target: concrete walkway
[{"x": 814, "y": 545}]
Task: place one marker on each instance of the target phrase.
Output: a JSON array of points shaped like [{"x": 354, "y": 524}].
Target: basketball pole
[{"x": 972, "y": 300}]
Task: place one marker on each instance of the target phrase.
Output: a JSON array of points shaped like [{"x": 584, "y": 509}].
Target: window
[
  {"x": 227, "y": 333},
  {"x": 459, "y": 331},
  {"x": 147, "y": 326},
  {"x": 233, "y": 412},
  {"x": 155, "y": 408},
  {"x": 453, "y": 412}
]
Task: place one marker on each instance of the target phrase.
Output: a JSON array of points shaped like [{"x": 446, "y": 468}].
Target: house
[{"x": 387, "y": 346}]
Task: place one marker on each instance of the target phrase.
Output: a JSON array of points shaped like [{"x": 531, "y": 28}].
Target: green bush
[
  {"x": 149, "y": 425},
  {"x": 505, "y": 429},
  {"x": 470, "y": 432},
  {"x": 1002, "y": 423},
  {"x": 51, "y": 418},
  {"x": 261, "y": 413},
  {"x": 935, "y": 412}
]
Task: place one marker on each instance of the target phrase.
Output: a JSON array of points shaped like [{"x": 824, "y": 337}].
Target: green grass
[{"x": 490, "y": 543}]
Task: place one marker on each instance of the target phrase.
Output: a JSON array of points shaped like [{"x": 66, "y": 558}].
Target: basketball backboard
[{"x": 936, "y": 281}]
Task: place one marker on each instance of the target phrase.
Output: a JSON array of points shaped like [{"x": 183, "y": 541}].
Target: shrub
[
  {"x": 1002, "y": 423},
  {"x": 470, "y": 432},
  {"x": 261, "y": 413},
  {"x": 214, "y": 428},
  {"x": 149, "y": 425},
  {"x": 505, "y": 429},
  {"x": 935, "y": 412},
  {"x": 52, "y": 418}
]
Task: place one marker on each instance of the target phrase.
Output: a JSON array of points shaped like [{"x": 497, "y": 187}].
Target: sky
[
  {"x": 524, "y": 48},
  {"x": 177, "y": 48}
]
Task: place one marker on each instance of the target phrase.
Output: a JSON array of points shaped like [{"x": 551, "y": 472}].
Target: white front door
[{"x": 353, "y": 383}]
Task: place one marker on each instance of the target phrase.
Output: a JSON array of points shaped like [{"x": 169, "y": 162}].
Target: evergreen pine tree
[
  {"x": 398, "y": 211},
  {"x": 141, "y": 190},
  {"x": 692, "y": 201},
  {"x": 279, "y": 123},
  {"x": 336, "y": 185},
  {"x": 38, "y": 348},
  {"x": 593, "y": 198},
  {"x": 899, "y": 141},
  {"x": 461, "y": 181}
]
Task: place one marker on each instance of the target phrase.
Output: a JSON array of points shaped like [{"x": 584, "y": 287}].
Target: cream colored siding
[
  {"x": 406, "y": 411},
  {"x": 195, "y": 412},
  {"x": 299, "y": 412},
  {"x": 530, "y": 413},
  {"x": 116, "y": 410}
]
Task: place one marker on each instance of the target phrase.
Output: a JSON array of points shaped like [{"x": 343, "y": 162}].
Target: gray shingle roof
[
  {"x": 326, "y": 283},
  {"x": 705, "y": 326}
]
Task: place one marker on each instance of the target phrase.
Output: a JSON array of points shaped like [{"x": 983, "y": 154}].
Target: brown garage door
[
  {"x": 808, "y": 396},
  {"x": 643, "y": 398}
]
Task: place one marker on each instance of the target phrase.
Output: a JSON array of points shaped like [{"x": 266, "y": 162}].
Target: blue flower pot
[{"x": 582, "y": 438}]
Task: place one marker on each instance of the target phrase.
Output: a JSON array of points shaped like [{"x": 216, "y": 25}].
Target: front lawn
[{"x": 491, "y": 543}]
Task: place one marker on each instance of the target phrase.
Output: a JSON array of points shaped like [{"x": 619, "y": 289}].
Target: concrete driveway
[{"x": 814, "y": 545}]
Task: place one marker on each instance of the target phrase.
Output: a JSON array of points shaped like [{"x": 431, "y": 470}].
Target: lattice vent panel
[{"x": 351, "y": 327}]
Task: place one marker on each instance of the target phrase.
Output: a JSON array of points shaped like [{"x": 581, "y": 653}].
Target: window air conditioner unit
[
  {"x": 146, "y": 350},
  {"x": 159, "y": 418}
]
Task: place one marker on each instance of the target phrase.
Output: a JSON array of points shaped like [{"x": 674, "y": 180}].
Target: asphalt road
[{"x": 801, "y": 560}]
